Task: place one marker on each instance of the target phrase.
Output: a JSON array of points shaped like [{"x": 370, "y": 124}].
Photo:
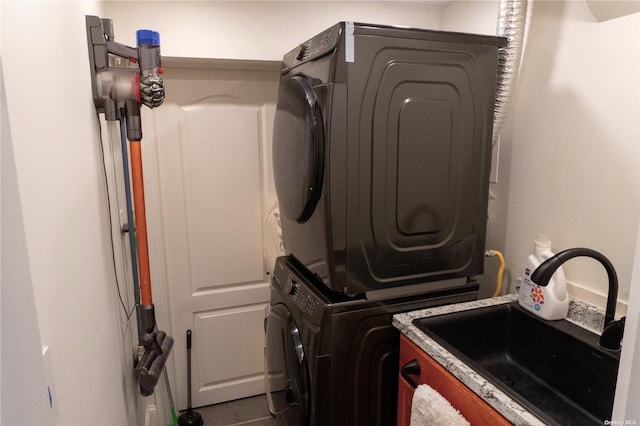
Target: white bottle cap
[{"x": 541, "y": 244}]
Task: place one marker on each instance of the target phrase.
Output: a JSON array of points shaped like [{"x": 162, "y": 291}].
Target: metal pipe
[
  {"x": 141, "y": 223},
  {"x": 512, "y": 17},
  {"x": 131, "y": 226}
]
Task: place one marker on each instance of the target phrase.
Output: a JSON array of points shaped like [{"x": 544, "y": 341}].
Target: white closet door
[{"x": 208, "y": 179}]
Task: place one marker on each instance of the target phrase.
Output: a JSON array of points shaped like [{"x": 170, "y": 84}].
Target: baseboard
[
  {"x": 151, "y": 416},
  {"x": 577, "y": 291}
]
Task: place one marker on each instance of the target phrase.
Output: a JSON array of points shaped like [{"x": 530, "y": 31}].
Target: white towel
[
  {"x": 429, "y": 408},
  {"x": 272, "y": 245}
]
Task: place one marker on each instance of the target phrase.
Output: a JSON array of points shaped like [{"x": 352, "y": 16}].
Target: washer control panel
[
  {"x": 302, "y": 296},
  {"x": 298, "y": 290}
]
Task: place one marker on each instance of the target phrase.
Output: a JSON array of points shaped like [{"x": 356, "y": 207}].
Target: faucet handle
[{"x": 612, "y": 335}]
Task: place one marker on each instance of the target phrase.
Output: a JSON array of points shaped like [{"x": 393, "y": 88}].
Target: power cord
[{"x": 127, "y": 314}]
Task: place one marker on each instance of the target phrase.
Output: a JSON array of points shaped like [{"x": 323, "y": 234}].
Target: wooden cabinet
[{"x": 470, "y": 405}]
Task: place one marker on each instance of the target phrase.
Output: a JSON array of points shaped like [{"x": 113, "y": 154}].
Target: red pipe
[{"x": 141, "y": 223}]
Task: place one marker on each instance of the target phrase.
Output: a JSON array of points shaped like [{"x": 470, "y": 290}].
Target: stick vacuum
[
  {"x": 119, "y": 89},
  {"x": 190, "y": 417}
]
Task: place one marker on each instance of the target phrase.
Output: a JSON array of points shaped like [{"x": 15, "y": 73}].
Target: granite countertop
[{"x": 580, "y": 313}]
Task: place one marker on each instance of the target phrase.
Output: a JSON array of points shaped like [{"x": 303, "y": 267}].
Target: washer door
[
  {"x": 298, "y": 148},
  {"x": 286, "y": 370}
]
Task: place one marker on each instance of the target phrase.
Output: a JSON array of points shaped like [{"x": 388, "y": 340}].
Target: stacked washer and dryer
[{"x": 382, "y": 155}]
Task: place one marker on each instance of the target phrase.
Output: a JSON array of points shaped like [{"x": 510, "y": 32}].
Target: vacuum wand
[{"x": 134, "y": 135}]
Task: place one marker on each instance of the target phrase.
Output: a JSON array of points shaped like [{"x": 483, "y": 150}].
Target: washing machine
[
  {"x": 382, "y": 152},
  {"x": 332, "y": 359}
]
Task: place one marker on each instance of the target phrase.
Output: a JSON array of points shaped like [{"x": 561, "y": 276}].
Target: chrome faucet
[{"x": 613, "y": 330}]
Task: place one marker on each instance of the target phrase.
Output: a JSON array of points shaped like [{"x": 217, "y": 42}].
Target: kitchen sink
[{"x": 555, "y": 369}]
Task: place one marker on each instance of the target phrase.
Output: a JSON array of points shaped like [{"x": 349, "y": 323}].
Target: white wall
[
  {"x": 60, "y": 180},
  {"x": 258, "y": 30},
  {"x": 24, "y": 397},
  {"x": 627, "y": 403},
  {"x": 569, "y": 153},
  {"x": 575, "y": 141},
  {"x": 478, "y": 17}
]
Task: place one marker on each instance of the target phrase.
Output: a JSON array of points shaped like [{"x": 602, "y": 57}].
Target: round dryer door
[
  {"x": 286, "y": 369},
  {"x": 298, "y": 149}
]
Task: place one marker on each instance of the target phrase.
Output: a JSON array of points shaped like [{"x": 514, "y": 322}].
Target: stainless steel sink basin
[{"x": 555, "y": 369}]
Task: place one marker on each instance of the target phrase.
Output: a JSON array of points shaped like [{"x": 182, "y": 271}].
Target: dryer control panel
[{"x": 320, "y": 45}]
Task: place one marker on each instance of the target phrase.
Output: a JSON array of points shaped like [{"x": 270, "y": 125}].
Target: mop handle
[
  {"x": 189, "y": 368},
  {"x": 141, "y": 223}
]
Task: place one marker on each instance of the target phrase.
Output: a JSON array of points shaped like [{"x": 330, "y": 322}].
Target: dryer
[
  {"x": 382, "y": 152},
  {"x": 333, "y": 360}
]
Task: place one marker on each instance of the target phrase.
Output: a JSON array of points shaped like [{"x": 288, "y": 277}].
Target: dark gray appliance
[
  {"x": 381, "y": 147},
  {"x": 331, "y": 359}
]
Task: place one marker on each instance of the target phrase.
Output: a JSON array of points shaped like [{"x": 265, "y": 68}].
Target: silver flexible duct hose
[{"x": 512, "y": 17}]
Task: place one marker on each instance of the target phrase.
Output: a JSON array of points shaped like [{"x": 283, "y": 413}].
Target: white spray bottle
[{"x": 552, "y": 301}]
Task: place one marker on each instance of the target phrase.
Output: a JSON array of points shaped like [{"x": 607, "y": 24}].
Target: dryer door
[
  {"x": 286, "y": 370},
  {"x": 298, "y": 148}
]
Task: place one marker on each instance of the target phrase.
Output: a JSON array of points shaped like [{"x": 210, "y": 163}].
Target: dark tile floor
[{"x": 253, "y": 411}]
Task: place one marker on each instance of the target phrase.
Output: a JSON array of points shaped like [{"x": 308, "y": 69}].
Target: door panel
[
  {"x": 235, "y": 366},
  {"x": 210, "y": 170},
  {"x": 221, "y": 167}
]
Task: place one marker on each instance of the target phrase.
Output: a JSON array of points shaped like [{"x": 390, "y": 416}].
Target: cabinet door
[
  {"x": 470, "y": 405},
  {"x": 405, "y": 395}
]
